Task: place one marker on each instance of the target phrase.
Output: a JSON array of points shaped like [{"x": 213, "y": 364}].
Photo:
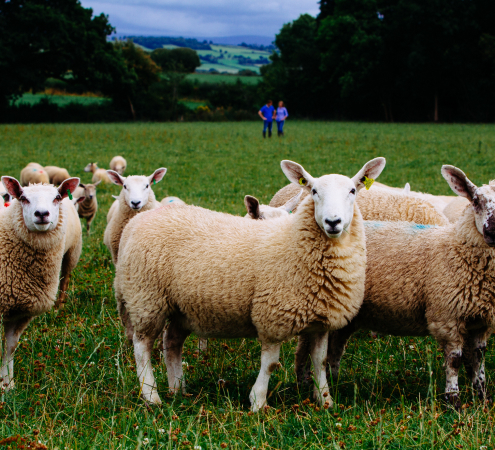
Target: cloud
[{"x": 201, "y": 18}]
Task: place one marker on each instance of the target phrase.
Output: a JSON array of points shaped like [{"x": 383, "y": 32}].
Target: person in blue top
[
  {"x": 280, "y": 117},
  {"x": 267, "y": 113}
]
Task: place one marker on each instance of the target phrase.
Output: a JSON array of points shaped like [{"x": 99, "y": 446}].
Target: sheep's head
[
  {"x": 333, "y": 195},
  {"x": 120, "y": 168},
  {"x": 482, "y": 200},
  {"x": 91, "y": 167},
  {"x": 90, "y": 190},
  {"x": 265, "y": 212},
  {"x": 136, "y": 188},
  {"x": 40, "y": 202}
]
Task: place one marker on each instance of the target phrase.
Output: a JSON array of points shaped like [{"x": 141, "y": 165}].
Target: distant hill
[
  {"x": 154, "y": 42},
  {"x": 238, "y": 40}
]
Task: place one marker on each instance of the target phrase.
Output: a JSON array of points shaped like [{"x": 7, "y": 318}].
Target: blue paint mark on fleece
[{"x": 374, "y": 224}]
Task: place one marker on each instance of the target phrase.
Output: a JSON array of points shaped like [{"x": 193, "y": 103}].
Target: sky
[{"x": 201, "y": 18}]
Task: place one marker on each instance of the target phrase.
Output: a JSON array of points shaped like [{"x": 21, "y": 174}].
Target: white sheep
[
  {"x": 33, "y": 232},
  {"x": 135, "y": 197},
  {"x": 437, "y": 281},
  {"x": 57, "y": 175},
  {"x": 223, "y": 276},
  {"x": 88, "y": 206},
  {"x": 118, "y": 164},
  {"x": 34, "y": 173},
  {"x": 264, "y": 212},
  {"x": 98, "y": 174}
]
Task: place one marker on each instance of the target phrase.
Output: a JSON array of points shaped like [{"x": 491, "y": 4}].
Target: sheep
[
  {"x": 32, "y": 242},
  {"x": 33, "y": 173},
  {"x": 135, "y": 197},
  {"x": 118, "y": 164},
  {"x": 57, "y": 175},
  {"x": 224, "y": 276},
  {"x": 98, "y": 174},
  {"x": 380, "y": 204},
  {"x": 88, "y": 207},
  {"x": 436, "y": 281},
  {"x": 265, "y": 212},
  {"x": 174, "y": 200},
  {"x": 453, "y": 211}
]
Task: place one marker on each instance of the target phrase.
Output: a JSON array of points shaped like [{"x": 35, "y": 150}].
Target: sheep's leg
[
  {"x": 125, "y": 319},
  {"x": 336, "y": 346},
  {"x": 319, "y": 349},
  {"x": 88, "y": 224},
  {"x": 13, "y": 330},
  {"x": 143, "y": 345},
  {"x": 269, "y": 362},
  {"x": 453, "y": 360},
  {"x": 202, "y": 345},
  {"x": 302, "y": 361},
  {"x": 473, "y": 353},
  {"x": 69, "y": 262},
  {"x": 173, "y": 341}
]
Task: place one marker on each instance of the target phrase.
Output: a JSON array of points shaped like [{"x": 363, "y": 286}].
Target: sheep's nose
[
  {"x": 90, "y": 197},
  {"x": 42, "y": 214},
  {"x": 135, "y": 204},
  {"x": 333, "y": 223}
]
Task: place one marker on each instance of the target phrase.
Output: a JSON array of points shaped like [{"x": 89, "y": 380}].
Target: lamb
[
  {"x": 264, "y": 212},
  {"x": 436, "y": 281},
  {"x": 380, "y": 204},
  {"x": 135, "y": 197},
  {"x": 57, "y": 175},
  {"x": 227, "y": 277},
  {"x": 98, "y": 174},
  {"x": 33, "y": 173},
  {"x": 118, "y": 164},
  {"x": 32, "y": 241},
  {"x": 88, "y": 207}
]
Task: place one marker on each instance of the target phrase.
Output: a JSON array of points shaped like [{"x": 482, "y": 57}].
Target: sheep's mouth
[{"x": 42, "y": 222}]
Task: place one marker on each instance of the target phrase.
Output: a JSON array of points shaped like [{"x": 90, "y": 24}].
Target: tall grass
[{"x": 76, "y": 386}]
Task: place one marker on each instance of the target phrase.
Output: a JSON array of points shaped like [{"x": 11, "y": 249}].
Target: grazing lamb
[
  {"x": 98, "y": 174},
  {"x": 118, "y": 164},
  {"x": 223, "y": 276},
  {"x": 33, "y": 173},
  {"x": 135, "y": 197},
  {"x": 265, "y": 212},
  {"x": 380, "y": 204},
  {"x": 437, "y": 281},
  {"x": 57, "y": 175},
  {"x": 88, "y": 207},
  {"x": 33, "y": 232}
]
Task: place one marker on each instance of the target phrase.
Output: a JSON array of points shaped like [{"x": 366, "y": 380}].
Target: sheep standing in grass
[
  {"x": 88, "y": 207},
  {"x": 118, "y": 164},
  {"x": 34, "y": 173},
  {"x": 437, "y": 281},
  {"x": 33, "y": 232},
  {"x": 98, "y": 174},
  {"x": 379, "y": 204},
  {"x": 223, "y": 276},
  {"x": 57, "y": 175}
]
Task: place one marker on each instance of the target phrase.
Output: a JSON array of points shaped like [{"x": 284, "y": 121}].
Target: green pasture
[
  {"x": 221, "y": 78},
  {"x": 76, "y": 386},
  {"x": 60, "y": 100},
  {"x": 230, "y": 61}
]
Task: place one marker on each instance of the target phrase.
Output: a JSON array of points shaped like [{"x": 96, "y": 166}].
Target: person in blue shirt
[
  {"x": 267, "y": 113},
  {"x": 280, "y": 115}
]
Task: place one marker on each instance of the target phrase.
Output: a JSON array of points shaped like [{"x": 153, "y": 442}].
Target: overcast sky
[{"x": 203, "y": 18}]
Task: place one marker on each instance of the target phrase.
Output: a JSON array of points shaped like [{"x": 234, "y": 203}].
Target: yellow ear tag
[
  {"x": 303, "y": 181},
  {"x": 368, "y": 182}
]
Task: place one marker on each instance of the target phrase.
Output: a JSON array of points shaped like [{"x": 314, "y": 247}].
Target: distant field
[
  {"x": 60, "y": 100},
  {"x": 76, "y": 384},
  {"x": 220, "y": 78}
]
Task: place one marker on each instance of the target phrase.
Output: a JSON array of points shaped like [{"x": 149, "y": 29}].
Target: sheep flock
[{"x": 328, "y": 256}]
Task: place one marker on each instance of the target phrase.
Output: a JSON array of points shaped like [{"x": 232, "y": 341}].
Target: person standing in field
[
  {"x": 267, "y": 113},
  {"x": 280, "y": 117}
]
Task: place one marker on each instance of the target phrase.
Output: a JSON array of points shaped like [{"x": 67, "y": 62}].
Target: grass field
[
  {"x": 75, "y": 374},
  {"x": 230, "y": 61},
  {"x": 220, "y": 78},
  {"x": 60, "y": 100}
]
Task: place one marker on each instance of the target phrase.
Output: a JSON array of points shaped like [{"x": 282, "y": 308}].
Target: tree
[
  {"x": 53, "y": 38},
  {"x": 184, "y": 60}
]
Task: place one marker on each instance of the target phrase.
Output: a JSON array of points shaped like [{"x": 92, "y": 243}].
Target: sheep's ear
[
  {"x": 296, "y": 174},
  {"x": 158, "y": 174},
  {"x": 88, "y": 167},
  {"x": 116, "y": 197},
  {"x": 292, "y": 203},
  {"x": 13, "y": 186},
  {"x": 116, "y": 178},
  {"x": 70, "y": 184},
  {"x": 459, "y": 182},
  {"x": 407, "y": 188},
  {"x": 79, "y": 200},
  {"x": 371, "y": 170},
  {"x": 252, "y": 206},
  {"x": 83, "y": 186},
  {"x": 95, "y": 184}
]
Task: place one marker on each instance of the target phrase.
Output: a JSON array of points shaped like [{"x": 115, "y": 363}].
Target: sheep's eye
[
  {"x": 147, "y": 186},
  {"x": 125, "y": 187},
  {"x": 314, "y": 192},
  {"x": 476, "y": 202},
  {"x": 23, "y": 199},
  {"x": 353, "y": 191},
  {"x": 58, "y": 197}
]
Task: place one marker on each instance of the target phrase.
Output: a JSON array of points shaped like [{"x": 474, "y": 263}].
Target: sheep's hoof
[
  {"x": 6, "y": 387},
  {"x": 152, "y": 400},
  {"x": 454, "y": 400},
  {"x": 256, "y": 405}
]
